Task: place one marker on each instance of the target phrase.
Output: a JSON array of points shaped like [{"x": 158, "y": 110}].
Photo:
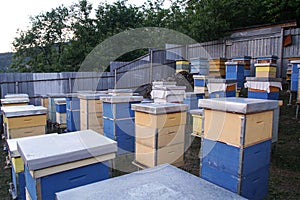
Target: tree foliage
[{"x": 60, "y": 39}]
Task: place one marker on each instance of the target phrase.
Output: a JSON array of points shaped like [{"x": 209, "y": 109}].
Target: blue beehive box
[
  {"x": 64, "y": 161},
  {"x": 295, "y": 75},
  {"x": 60, "y": 105},
  {"x": 118, "y": 121},
  {"x": 199, "y": 66},
  {"x": 219, "y": 88},
  {"x": 235, "y": 71},
  {"x": 191, "y": 99},
  {"x": 73, "y": 112},
  {"x": 52, "y": 106},
  {"x": 161, "y": 182}
]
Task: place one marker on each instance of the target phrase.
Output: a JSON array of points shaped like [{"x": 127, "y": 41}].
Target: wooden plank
[{"x": 26, "y": 121}]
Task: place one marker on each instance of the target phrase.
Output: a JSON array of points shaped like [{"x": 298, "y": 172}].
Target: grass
[{"x": 284, "y": 179}]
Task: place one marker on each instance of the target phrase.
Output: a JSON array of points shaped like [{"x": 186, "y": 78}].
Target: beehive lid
[
  {"x": 14, "y": 100},
  {"x": 263, "y": 79},
  {"x": 202, "y": 77},
  {"x": 295, "y": 61},
  {"x": 56, "y": 95},
  {"x": 9, "y": 96},
  {"x": 233, "y": 63},
  {"x": 15, "y": 111},
  {"x": 121, "y": 99},
  {"x": 71, "y": 95},
  {"x": 90, "y": 96},
  {"x": 220, "y": 80},
  {"x": 168, "y": 87},
  {"x": 12, "y": 144},
  {"x": 60, "y": 101},
  {"x": 159, "y": 108},
  {"x": 238, "y": 105},
  {"x": 265, "y": 65},
  {"x": 164, "y": 182},
  {"x": 197, "y": 111},
  {"x": 64, "y": 148},
  {"x": 192, "y": 94}
]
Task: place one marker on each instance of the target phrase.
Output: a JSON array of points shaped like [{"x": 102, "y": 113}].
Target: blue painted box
[
  {"x": 61, "y": 108},
  {"x": 294, "y": 85},
  {"x": 200, "y": 81},
  {"x": 263, "y": 95},
  {"x": 235, "y": 71},
  {"x": 191, "y": 99},
  {"x": 57, "y": 162},
  {"x": 221, "y": 94},
  {"x": 244, "y": 171},
  {"x": 73, "y": 103},
  {"x": 73, "y": 120},
  {"x": 52, "y": 106},
  {"x": 247, "y": 73},
  {"x": 118, "y": 111},
  {"x": 122, "y": 131},
  {"x": 18, "y": 184}
]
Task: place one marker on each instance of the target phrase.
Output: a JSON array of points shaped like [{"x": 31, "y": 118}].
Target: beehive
[
  {"x": 23, "y": 121},
  {"x": 18, "y": 178},
  {"x": 182, "y": 65},
  {"x": 217, "y": 67},
  {"x": 51, "y": 105},
  {"x": 159, "y": 133},
  {"x": 246, "y": 60},
  {"x": 218, "y": 88},
  {"x": 167, "y": 92},
  {"x": 161, "y": 182},
  {"x": 118, "y": 120},
  {"x": 199, "y": 66},
  {"x": 235, "y": 71},
  {"x": 61, "y": 110},
  {"x": 200, "y": 84},
  {"x": 191, "y": 99},
  {"x": 14, "y": 102},
  {"x": 236, "y": 144},
  {"x": 91, "y": 113},
  {"x": 10, "y": 96},
  {"x": 73, "y": 112},
  {"x": 64, "y": 161},
  {"x": 265, "y": 70},
  {"x": 198, "y": 122}
]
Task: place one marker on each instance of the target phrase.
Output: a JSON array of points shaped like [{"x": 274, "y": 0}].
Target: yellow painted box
[
  {"x": 25, "y": 132},
  {"x": 159, "y": 138},
  {"x": 91, "y": 105},
  {"x": 198, "y": 119},
  {"x": 150, "y": 157},
  {"x": 161, "y": 120},
  {"x": 227, "y": 127},
  {"x": 26, "y": 121},
  {"x": 18, "y": 164},
  {"x": 88, "y": 120}
]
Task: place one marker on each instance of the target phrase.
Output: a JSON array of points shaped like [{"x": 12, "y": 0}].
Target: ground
[{"x": 284, "y": 181}]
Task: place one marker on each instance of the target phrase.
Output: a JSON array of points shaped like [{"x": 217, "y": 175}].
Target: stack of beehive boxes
[
  {"x": 246, "y": 60},
  {"x": 159, "y": 134},
  {"x": 61, "y": 112},
  {"x": 218, "y": 88},
  {"x": 266, "y": 66},
  {"x": 235, "y": 72},
  {"x": 91, "y": 111},
  {"x": 167, "y": 92},
  {"x": 182, "y": 65},
  {"x": 199, "y": 66},
  {"x": 295, "y": 74},
  {"x": 57, "y": 162},
  {"x": 217, "y": 67},
  {"x": 52, "y": 107},
  {"x": 15, "y": 100},
  {"x": 200, "y": 84},
  {"x": 236, "y": 144},
  {"x": 73, "y": 112}
]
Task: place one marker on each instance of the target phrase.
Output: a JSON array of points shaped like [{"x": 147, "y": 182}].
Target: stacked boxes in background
[
  {"x": 61, "y": 110},
  {"x": 182, "y": 65},
  {"x": 236, "y": 144},
  {"x": 73, "y": 112},
  {"x": 218, "y": 88},
  {"x": 161, "y": 182},
  {"x": 91, "y": 112},
  {"x": 217, "y": 67},
  {"x": 167, "y": 92},
  {"x": 235, "y": 72},
  {"x": 246, "y": 60},
  {"x": 23, "y": 121},
  {"x": 52, "y": 106},
  {"x": 118, "y": 121},
  {"x": 159, "y": 134},
  {"x": 266, "y": 66},
  {"x": 200, "y": 84},
  {"x": 199, "y": 66},
  {"x": 58, "y": 162}
]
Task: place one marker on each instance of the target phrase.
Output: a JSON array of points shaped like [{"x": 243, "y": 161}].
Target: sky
[{"x": 14, "y": 15}]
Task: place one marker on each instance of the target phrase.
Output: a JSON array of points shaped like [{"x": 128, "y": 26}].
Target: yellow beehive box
[
  {"x": 182, "y": 70},
  {"x": 88, "y": 120},
  {"x": 161, "y": 120},
  {"x": 265, "y": 70},
  {"x": 17, "y": 164},
  {"x": 226, "y": 127},
  {"x": 90, "y": 105},
  {"x": 150, "y": 157},
  {"x": 197, "y": 115},
  {"x": 15, "y": 104},
  {"x": 158, "y": 138},
  {"x": 25, "y": 132},
  {"x": 26, "y": 121}
]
